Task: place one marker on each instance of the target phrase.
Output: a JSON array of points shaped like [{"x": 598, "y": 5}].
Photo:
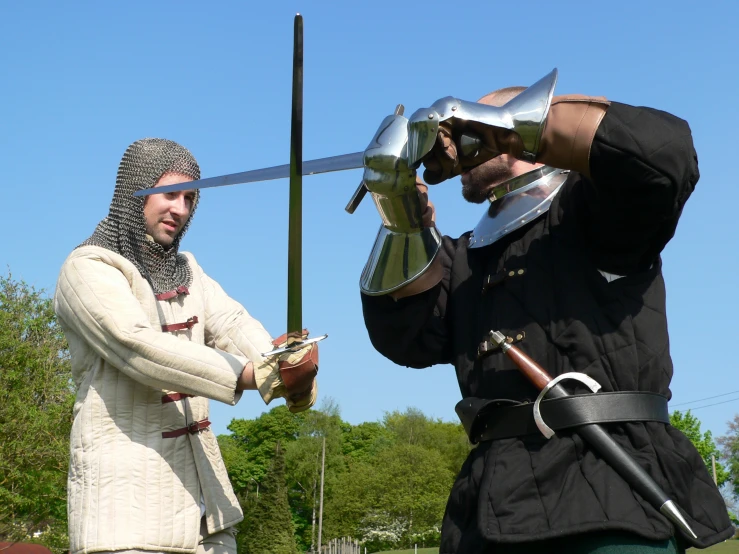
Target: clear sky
[{"x": 82, "y": 80}]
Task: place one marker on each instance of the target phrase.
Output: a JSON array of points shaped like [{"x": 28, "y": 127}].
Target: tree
[
  {"x": 703, "y": 442},
  {"x": 36, "y": 402},
  {"x": 303, "y": 467},
  {"x": 269, "y": 527},
  {"x": 414, "y": 427},
  {"x": 249, "y": 450},
  {"x": 399, "y": 493},
  {"x": 730, "y": 449}
]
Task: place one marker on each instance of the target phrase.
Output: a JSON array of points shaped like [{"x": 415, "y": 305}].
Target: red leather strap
[
  {"x": 182, "y": 289},
  {"x": 175, "y": 396},
  {"x": 189, "y": 324},
  {"x": 194, "y": 427}
]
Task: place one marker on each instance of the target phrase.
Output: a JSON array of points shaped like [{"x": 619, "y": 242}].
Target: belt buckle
[{"x": 193, "y": 427}]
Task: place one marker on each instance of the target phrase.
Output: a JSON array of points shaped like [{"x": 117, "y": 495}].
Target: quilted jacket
[{"x": 128, "y": 486}]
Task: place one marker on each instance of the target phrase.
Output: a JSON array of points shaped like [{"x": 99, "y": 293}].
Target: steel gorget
[{"x": 517, "y": 201}]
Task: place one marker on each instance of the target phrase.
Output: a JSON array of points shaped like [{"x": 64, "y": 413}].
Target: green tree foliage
[
  {"x": 703, "y": 442},
  {"x": 387, "y": 500},
  {"x": 730, "y": 449},
  {"x": 363, "y": 441},
  {"x": 249, "y": 450},
  {"x": 36, "y": 402},
  {"x": 413, "y": 427},
  {"x": 303, "y": 459},
  {"x": 386, "y": 482},
  {"x": 269, "y": 528}
]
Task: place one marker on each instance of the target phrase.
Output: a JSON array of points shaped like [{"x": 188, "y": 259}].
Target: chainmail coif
[{"x": 124, "y": 229}]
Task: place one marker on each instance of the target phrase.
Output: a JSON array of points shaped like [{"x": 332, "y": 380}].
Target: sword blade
[
  {"x": 295, "y": 214},
  {"x": 342, "y": 162}
]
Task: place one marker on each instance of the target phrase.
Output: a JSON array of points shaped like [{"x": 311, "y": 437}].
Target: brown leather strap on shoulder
[
  {"x": 189, "y": 324},
  {"x": 182, "y": 289},
  {"x": 194, "y": 427},
  {"x": 175, "y": 396}
]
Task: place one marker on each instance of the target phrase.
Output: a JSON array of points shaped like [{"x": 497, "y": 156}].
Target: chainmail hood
[{"x": 124, "y": 228}]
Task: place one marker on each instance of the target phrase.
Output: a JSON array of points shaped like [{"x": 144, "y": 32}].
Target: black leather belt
[{"x": 486, "y": 419}]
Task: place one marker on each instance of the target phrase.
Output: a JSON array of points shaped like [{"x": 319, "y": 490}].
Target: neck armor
[
  {"x": 124, "y": 228},
  {"x": 517, "y": 201}
]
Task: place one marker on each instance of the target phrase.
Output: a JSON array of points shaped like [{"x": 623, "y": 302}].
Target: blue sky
[{"x": 81, "y": 81}]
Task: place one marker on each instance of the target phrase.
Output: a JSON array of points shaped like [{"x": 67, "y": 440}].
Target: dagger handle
[{"x": 533, "y": 371}]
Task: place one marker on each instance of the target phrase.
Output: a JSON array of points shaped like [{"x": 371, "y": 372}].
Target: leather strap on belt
[
  {"x": 486, "y": 420},
  {"x": 194, "y": 427},
  {"x": 189, "y": 324},
  {"x": 175, "y": 396}
]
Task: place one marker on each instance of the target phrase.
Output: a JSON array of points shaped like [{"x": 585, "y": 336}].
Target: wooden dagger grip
[{"x": 533, "y": 371}]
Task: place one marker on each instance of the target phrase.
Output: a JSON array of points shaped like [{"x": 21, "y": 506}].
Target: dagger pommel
[{"x": 533, "y": 371}]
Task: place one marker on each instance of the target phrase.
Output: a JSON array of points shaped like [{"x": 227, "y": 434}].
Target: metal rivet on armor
[
  {"x": 523, "y": 221},
  {"x": 520, "y": 271},
  {"x": 511, "y": 273},
  {"x": 431, "y": 116},
  {"x": 454, "y": 108},
  {"x": 519, "y": 336}
]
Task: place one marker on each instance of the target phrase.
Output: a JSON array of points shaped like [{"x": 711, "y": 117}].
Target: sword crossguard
[{"x": 294, "y": 346}]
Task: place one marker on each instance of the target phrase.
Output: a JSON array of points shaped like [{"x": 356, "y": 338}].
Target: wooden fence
[{"x": 341, "y": 546}]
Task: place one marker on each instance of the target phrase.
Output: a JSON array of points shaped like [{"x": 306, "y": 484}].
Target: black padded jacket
[{"x": 643, "y": 168}]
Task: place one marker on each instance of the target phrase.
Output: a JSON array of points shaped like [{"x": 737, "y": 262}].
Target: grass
[{"x": 728, "y": 547}]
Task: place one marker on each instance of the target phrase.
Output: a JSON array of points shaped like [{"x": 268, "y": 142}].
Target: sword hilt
[
  {"x": 536, "y": 374},
  {"x": 294, "y": 347},
  {"x": 361, "y": 191}
]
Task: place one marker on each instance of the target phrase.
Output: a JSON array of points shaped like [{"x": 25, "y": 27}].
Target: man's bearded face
[{"x": 479, "y": 181}]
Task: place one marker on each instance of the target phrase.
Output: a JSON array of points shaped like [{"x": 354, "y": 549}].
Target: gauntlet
[
  {"x": 404, "y": 248},
  {"x": 290, "y": 375},
  {"x": 454, "y": 135}
]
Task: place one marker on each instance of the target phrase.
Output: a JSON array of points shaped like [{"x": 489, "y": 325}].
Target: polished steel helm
[{"x": 516, "y": 202}]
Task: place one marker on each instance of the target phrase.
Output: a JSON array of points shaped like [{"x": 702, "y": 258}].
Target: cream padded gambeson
[{"x": 128, "y": 487}]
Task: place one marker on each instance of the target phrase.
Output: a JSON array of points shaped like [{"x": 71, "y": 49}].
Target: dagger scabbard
[{"x": 599, "y": 439}]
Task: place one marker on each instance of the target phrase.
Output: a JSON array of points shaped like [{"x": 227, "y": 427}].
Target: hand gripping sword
[{"x": 594, "y": 434}]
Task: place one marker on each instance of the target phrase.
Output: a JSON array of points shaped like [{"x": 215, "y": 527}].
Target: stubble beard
[{"x": 478, "y": 182}]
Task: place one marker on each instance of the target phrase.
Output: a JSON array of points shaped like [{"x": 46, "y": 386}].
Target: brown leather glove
[
  {"x": 290, "y": 375},
  {"x": 450, "y": 156}
]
